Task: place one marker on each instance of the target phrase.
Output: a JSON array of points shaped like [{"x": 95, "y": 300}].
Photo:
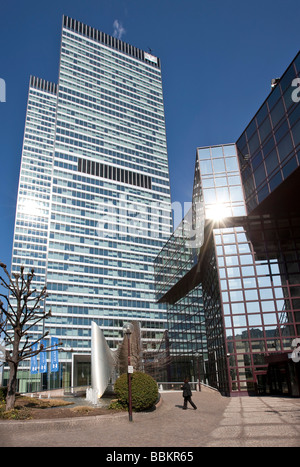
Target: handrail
[{"x": 192, "y": 383}]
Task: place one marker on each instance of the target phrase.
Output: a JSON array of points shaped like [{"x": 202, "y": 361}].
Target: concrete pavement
[{"x": 218, "y": 422}]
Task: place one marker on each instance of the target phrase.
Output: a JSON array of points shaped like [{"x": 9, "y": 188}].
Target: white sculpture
[{"x": 103, "y": 360}]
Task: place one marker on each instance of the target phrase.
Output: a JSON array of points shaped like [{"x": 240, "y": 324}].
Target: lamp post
[{"x": 128, "y": 329}]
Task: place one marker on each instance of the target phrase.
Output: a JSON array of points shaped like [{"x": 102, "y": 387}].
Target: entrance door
[
  {"x": 83, "y": 373},
  {"x": 262, "y": 385},
  {"x": 278, "y": 376}
]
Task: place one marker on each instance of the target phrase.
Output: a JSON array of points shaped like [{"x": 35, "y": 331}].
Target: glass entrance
[{"x": 83, "y": 373}]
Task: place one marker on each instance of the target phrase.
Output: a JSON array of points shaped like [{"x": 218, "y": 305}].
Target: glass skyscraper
[{"x": 94, "y": 205}]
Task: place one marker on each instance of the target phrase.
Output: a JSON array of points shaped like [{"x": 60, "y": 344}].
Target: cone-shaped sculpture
[{"x": 103, "y": 361}]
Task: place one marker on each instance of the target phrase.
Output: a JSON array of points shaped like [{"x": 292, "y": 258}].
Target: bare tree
[{"x": 18, "y": 316}]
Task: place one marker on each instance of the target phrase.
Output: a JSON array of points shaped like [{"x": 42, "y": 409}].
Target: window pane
[
  {"x": 229, "y": 150},
  {"x": 228, "y": 238},
  {"x": 244, "y": 248},
  {"x": 231, "y": 261},
  {"x": 268, "y": 306},
  {"x": 219, "y": 165},
  {"x": 270, "y": 318},
  {"x": 209, "y": 196},
  {"x": 262, "y": 114},
  {"x": 239, "y": 321},
  {"x": 205, "y": 167},
  {"x": 272, "y": 161},
  {"x": 234, "y": 180},
  {"x": 208, "y": 183},
  {"x": 259, "y": 175},
  {"x": 235, "y": 284},
  {"x": 232, "y": 164},
  {"x": 221, "y": 181},
  {"x": 237, "y": 308},
  {"x": 217, "y": 152},
  {"x": 254, "y": 320},
  {"x": 236, "y": 193},
  {"x": 254, "y": 143},
  {"x": 250, "y": 282},
  {"x": 285, "y": 147},
  {"x": 265, "y": 129},
  {"x": 277, "y": 113},
  {"x": 233, "y": 272},
  {"x": 251, "y": 295},
  {"x": 230, "y": 249},
  {"x": 246, "y": 259},
  {"x": 236, "y": 296},
  {"x": 222, "y": 194},
  {"x": 204, "y": 153},
  {"x": 252, "y": 307}
]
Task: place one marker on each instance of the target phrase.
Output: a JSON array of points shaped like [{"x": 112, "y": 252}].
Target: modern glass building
[
  {"x": 248, "y": 266},
  {"x": 186, "y": 327},
  {"x": 217, "y": 193},
  {"x": 94, "y": 204}
]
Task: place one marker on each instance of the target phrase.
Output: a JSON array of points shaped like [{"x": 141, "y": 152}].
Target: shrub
[
  {"x": 115, "y": 404},
  {"x": 15, "y": 414},
  {"x": 143, "y": 389},
  {"x": 3, "y": 393}
]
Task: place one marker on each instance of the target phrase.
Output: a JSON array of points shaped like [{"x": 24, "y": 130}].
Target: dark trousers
[{"x": 186, "y": 400}]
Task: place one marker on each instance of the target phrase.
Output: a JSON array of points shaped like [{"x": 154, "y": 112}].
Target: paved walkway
[{"x": 219, "y": 421}]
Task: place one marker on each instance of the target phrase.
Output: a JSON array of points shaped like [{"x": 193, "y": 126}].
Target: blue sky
[{"x": 218, "y": 59}]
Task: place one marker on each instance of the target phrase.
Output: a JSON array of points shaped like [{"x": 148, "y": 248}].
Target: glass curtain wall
[
  {"x": 269, "y": 147},
  {"x": 186, "y": 327}
]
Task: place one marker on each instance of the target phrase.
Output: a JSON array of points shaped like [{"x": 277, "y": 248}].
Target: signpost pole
[{"x": 128, "y": 329}]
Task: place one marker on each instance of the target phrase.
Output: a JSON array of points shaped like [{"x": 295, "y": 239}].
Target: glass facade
[
  {"x": 180, "y": 282},
  {"x": 259, "y": 315},
  {"x": 248, "y": 265},
  {"x": 221, "y": 181},
  {"x": 34, "y": 193},
  {"x": 269, "y": 147},
  {"x": 187, "y": 337},
  {"x": 94, "y": 203}
]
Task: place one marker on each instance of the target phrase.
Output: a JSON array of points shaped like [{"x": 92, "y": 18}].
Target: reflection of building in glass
[
  {"x": 216, "y": 191},
  {"x": 248, "y": 268},
  {"x": 185, "y": 313},
  {"x": 221, "y": 182}
]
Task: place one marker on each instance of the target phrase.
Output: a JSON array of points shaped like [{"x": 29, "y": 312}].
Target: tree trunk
[{"x": 12, "y": 387}]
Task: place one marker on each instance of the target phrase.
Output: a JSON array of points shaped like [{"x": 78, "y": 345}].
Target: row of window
[
  {"x": 104, "y": 38},
  {"x": 114, "y": 173}
]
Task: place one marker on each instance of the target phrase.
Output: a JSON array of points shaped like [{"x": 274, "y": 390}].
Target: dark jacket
[{"x": 186, "y": 390}]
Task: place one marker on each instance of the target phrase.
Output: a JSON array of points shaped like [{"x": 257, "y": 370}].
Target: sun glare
[
  {"x": 217, "y": 212},
  {"x": 31, "y": 206}
]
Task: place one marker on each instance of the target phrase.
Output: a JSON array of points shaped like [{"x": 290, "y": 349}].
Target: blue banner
[
  {"x": 33, "y": 361},
  {"x": 54, "y": 354},
  {"x": 43, "y": 358}
]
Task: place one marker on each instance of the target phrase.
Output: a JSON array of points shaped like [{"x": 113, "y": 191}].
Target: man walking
[{"x": 187, "y": 394}]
